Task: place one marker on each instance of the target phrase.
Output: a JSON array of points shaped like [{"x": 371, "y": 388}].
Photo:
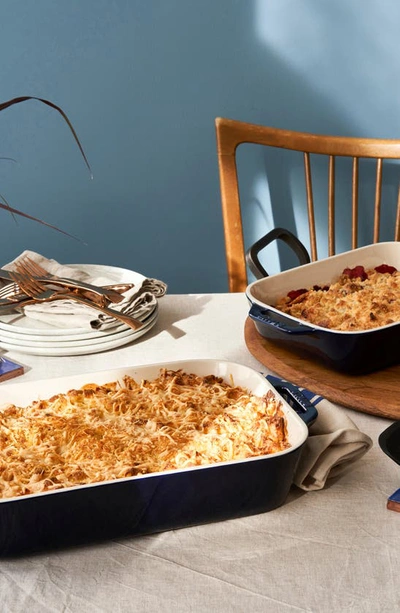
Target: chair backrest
[{"x": 231, "y": 133}]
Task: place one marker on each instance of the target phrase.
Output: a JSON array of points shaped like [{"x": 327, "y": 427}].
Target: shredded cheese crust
[
  {"x": 122, "y": 429},
  {"x": 349, "y": 304}
]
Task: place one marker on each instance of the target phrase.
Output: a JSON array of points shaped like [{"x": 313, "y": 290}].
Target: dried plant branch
[{"x": 18, "y": 100}]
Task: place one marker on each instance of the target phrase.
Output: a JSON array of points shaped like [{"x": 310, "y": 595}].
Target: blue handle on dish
[
  {"x": 265, "y": 316},
  {"x": 294, "y": 397}
]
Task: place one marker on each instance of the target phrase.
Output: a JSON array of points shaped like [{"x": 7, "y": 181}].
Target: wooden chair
[{"x": 230, "y": 134}]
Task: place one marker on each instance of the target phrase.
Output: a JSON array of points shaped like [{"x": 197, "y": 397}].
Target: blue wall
[{"x": 142, "y": 81}]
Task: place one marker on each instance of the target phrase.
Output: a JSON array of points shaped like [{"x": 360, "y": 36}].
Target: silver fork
[
  {"x": 37, "y": 284},
  {"x": 11, "y": 289},
  {"x": 10, "y": 294},
  {"x": 39, "y": 293},
  {"x": 29, "y": 286},
  {"x": 28, "y": 266}
]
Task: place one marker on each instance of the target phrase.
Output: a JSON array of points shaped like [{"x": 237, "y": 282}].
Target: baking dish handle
[
  {"x": 295, "y": 399},
  {"x": 287, "y": 237},
  {"x": 265, "y": 316}
]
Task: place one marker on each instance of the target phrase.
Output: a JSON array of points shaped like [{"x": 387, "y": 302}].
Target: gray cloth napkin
[
  {"x": 138, "y": 302},
  {"x": 333, "y": 445}
]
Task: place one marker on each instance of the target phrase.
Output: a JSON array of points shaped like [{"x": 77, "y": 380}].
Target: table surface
[{"x": 337, "y": 549}]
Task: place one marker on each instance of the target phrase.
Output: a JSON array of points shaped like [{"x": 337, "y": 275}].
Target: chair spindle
[
  {"x": 331, "y": 206},
  {"x": 310, "y": 207},
  {"x": 354, "y": 205},
  {"x": 397, "y": 226},
  {"x": 378, "y": 192}
]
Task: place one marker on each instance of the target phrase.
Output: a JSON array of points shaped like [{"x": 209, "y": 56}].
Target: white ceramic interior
[{"x": 266, "y": 292}]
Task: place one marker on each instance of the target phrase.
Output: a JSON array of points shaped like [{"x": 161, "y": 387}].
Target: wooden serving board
[{"x": 377, "y": 393}]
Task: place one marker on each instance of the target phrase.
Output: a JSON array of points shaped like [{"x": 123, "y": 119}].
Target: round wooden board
[{"x": 377, "y": 393}]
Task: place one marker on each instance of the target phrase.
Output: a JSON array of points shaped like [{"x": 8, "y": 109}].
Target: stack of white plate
[{"x": 26, "y": 335}]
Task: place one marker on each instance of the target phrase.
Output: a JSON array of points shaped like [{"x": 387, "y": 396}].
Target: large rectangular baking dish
[
  {"x": 350, "y": 352},
  {"x": 158, "y": 501}
]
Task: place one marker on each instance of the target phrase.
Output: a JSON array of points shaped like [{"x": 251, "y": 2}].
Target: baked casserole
[
  {"x": 128, "y": 428},
  {"x": 359, "y": 299}
]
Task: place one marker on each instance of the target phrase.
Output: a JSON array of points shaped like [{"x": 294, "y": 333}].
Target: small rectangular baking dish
[
  {"x": 158, "y": 501},
  {"x": 354, "y": 353}
]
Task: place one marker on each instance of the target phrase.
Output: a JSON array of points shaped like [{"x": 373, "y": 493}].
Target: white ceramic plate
[
  {"x": 87, "y": 335},
  {"x": 75, "y": 341},
  {"x": 16, "y": 324},
  {"x": 87, "y": 347},
  {"x": 26, "y": 335}
]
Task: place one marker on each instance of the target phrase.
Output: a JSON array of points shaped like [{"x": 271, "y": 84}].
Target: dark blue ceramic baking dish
[
  {"x": 160, "y": 501},
  {"x": 353, "y": 353}
]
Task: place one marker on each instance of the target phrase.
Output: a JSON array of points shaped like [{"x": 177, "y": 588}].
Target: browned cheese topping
[
  {"x": 121, "y": 429},
  {"x": 359, "y": 300}
]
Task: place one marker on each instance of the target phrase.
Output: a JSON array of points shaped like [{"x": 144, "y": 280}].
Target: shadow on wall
[{"x": 322, "y": 65}]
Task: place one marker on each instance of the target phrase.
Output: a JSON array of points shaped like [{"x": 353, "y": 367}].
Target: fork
[
  {"x": 28, "y": 266},
  {"x": 11, "y": 294},
  {"x": 39, "y": 293},
  {"x": 9, "y": 290},
  {"x": 31, "y": 287}
]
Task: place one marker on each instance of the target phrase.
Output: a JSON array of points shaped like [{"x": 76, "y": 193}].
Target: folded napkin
[
  {"x": 333, "y": 445},
  {"x": 138, "y": 302}
]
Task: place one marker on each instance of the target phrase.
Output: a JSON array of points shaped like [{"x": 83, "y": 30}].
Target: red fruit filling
[
  {"x": 385, "y": 268},
  {"x": 354, "y": 273},
  {"x": 296, "y": 293}
]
